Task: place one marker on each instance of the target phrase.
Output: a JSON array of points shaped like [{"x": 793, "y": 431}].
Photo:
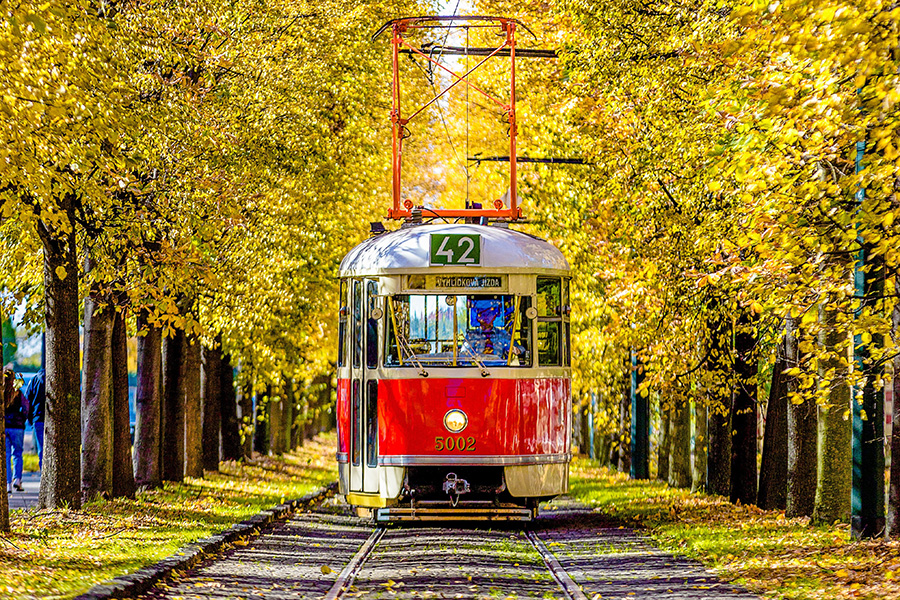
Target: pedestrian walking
[
  {"x": 16, "y": 416},
  {"x": 35, "y": 394}
]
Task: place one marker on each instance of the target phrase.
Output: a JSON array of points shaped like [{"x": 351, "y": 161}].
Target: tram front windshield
[{"x": 458, "y": 331}]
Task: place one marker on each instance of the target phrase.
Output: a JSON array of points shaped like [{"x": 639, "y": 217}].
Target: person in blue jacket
[
  {"x": 35, "y": 394},
  {"x": 16, "y": 415}
]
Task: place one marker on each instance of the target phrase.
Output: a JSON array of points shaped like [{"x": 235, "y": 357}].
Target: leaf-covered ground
[
  {"x": 58, "y": 554},
  {"x": 769, "y": 554}
]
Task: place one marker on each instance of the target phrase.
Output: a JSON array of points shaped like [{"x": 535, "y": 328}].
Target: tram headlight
[{"x": 455, "y": 420}]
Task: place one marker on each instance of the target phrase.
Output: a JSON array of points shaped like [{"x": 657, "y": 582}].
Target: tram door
[{"x": 364, "y": 387}]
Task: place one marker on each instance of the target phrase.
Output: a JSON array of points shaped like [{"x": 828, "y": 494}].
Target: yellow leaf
[
  {"x": 61, "y": 273},
  {"x": 326, "y": 570}
]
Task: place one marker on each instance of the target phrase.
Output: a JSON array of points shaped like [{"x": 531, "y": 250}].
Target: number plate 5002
[{"x": 459, "y": 444}]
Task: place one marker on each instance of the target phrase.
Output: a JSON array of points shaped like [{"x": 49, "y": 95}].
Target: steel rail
[
  {"x": 569, "y": 587},
  {"x": 348, "y": 574}
]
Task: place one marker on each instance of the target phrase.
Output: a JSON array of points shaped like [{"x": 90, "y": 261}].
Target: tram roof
[{"x": 408, "y": 250}]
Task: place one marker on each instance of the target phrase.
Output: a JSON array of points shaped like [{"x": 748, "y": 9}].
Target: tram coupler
[{"x": 454, "y": 486}]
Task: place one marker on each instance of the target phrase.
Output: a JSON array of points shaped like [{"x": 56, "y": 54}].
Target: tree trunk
[
  {"x": 801, "y": 435},
  {"x": 212, "y": 403},
  {"x": 744, "y": 414},
  {"x": 193, "y": 413},
  {"x": 701, "y": 440},
  {"x": 773, "y": 472},
  {"x": 833, "y": 469},
  {"x": 287, "y": 415},
  {"x": 297, "y": 423},
  {"x": 717, "y": 384},
  {"x": 173, "y": 407},
  {"x": 680, "y": 446},
  {"x": 123, "y": 466},
  {"x": 246, "y": 405},
  {"x": 893, "y": 508},
  {"x": 578, "y": 426},
  {"x": 61, "y": 473},
  {"x": 276, "y": 423},
  {"x": 148, "y": 405},
  {"x": 96, "y": 402},
  {"x": 261, "y": 433},
  {"x": 665, "y": 444},
  {"x": 231, "y": 432},
  {"x": 623, "y": 457}
]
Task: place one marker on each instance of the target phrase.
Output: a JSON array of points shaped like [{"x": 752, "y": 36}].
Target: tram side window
[
  {"x": 372, "y": 423},
  {"x": 357, "y": 324},
  {"x": 354, "y": 424},
  {"x": 550, "y": 325},
  {"x": 371, "y": 326},
  {"x": 566, "y": 304},
  {"x": 342, "y": 327}
]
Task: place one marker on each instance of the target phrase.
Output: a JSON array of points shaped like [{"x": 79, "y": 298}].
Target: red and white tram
[{"x": 454, "y": 396}]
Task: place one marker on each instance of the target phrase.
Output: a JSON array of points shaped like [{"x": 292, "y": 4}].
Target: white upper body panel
[{"x": 408, "y": 250}]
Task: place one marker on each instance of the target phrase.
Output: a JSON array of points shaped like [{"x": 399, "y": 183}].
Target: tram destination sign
[
  {"x": 457, "y": 249},
  {"x": 465, "y": 282}
]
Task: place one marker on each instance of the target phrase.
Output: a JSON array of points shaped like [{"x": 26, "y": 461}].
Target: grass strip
[
  {"x": 62, "y": 553},
  {"x": 767, "y": 553}
]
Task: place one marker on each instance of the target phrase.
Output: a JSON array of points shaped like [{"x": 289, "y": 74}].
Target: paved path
[
  {"x": 32, "y": 484},
  {"x": 301, "y": 558}
]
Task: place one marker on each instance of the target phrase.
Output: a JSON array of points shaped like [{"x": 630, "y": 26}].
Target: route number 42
[{"x": 456, "y": 249}]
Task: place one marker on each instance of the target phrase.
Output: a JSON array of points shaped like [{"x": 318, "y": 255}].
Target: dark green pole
[
  {"x": 640, "y": 423},
  {"x": 867, "y": 497}
]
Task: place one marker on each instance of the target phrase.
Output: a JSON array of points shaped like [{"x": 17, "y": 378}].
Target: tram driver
[{"x": 486, "y": 338}]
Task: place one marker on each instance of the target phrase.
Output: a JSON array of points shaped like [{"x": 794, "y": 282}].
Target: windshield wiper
[
  {"x": 403, "y": 343},
  {"x": 484, "y": 371}
]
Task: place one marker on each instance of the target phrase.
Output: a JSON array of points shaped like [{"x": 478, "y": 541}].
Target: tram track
[
  {"x": 348, "y": 575},
  {"x": 571, "y": 589},
  {"x": 329, "y": 553}
]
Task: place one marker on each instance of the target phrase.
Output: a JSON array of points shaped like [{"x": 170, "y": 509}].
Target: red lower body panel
[{"x": 513, "y": 418}]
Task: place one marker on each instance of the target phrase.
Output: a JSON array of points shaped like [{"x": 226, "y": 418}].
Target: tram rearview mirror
[
  {"x": 451, "y": 300},
  {"x": 376, "y": 313},
  {"x": 531, "y": 313}
]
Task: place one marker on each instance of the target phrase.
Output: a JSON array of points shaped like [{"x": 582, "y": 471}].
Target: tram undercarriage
[{"x": 468, "y": 493}]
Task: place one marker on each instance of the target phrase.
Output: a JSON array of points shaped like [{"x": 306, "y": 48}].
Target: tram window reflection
[
  {"x": 462, "y": 331},
  {"x": 357, "y": 324},
  {"x": 548, "y": 344},
  {"x": 342, "y": 326},
  {"x": 566, "y": 304},
  {"x": 372, "y": 423},
  {"x": 550, "y": 317},
  {"x": 371, "y": 326},
  {"x": 549, "y": 290},
  {"x": 355, "y": 417}
]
